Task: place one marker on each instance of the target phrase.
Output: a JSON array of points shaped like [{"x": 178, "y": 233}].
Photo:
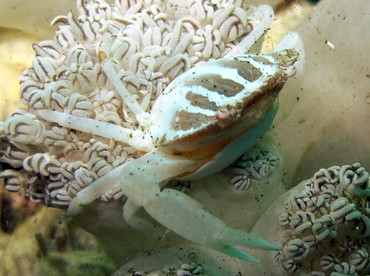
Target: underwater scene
[{"x": 180, "y": 138}]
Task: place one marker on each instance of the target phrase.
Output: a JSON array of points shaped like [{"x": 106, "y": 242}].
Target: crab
[
  {"x": 199, "y": 125},
  {"x": 203, "y": 120}
]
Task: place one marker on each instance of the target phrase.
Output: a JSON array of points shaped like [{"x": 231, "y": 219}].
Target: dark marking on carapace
[
  {"x": 262, "y": 60},
  {"x": 216, "y": 83},
  {"x": 245, "y": 69},
  {"x": 201, "y": 101},
  {"x": 188, "y": 120}
]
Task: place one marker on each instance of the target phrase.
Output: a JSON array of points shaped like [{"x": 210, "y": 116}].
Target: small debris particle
[{"x": 331, "y": 45}]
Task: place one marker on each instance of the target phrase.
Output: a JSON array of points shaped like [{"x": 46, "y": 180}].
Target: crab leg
[
  {"x": 137, "y": 179},
  {"x": 108, "y": 67},
  {"x": 134, "y": 138},
  {"x": 140, "y": 181},
  {"x": 185, "y": 216},
  {"x": 264, "y": 16},
  {"x": 136, "y": 222},
  {"x": 141, "y": 116}
]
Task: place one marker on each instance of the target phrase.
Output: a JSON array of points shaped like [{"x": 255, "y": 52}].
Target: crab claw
[
  {"x": 186, "y": 217},
  {"x": 173, "y": 209},
  {"x": 236, "y": 237},
  {"x": 293, "y": 41}
]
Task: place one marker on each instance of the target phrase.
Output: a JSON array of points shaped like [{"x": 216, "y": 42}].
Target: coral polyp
[
  {"x": 325, "y": 228},
  {"x": 253, "y": 168}
]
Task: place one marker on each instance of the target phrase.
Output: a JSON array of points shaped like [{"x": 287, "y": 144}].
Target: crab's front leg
[
  {"x": 186, "y": 217},
  {"x": 140, "y": 180}
]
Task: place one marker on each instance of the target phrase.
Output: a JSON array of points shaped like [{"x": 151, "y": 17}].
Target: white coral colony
[
  {"x": 325, "y": 228},
  {"x": 122, "y": 101}
]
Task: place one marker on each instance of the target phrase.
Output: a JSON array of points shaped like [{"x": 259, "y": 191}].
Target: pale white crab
[{"x": 200, "y": 124}]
